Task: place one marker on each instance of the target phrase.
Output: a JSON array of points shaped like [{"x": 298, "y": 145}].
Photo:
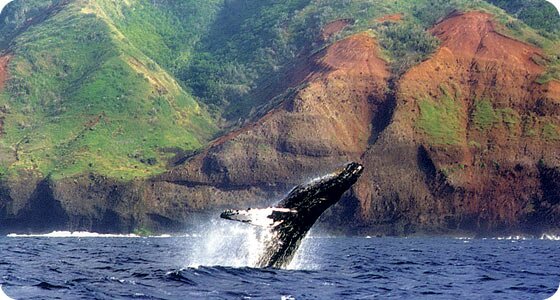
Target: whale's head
[
  {"x": 322, "y": 192},
  {"x": 342, "y": 177},
  {"x": 351, "y": 172}
]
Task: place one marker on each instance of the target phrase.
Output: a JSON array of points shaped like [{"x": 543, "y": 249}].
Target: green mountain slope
[
  {"x": 118, "y": 115},
  {"x": 119, "y": 87},
  {"x": 83, "y": 98}
]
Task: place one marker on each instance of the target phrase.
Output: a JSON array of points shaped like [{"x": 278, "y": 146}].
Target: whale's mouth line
[{"x": 358, "y": 170}]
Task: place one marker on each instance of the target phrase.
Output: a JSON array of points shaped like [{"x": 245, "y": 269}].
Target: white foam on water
[
  {"x": 513, "y": 238},
  {"x": 81, "y": 234},
  {"x": 3, "y": 295},
  {"x": 74, "y": 234},
  {"x": 550, "y": 237},
  {"x": 226, "y": 243}
]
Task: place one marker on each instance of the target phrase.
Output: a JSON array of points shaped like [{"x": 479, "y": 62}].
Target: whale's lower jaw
[{"x": 294, "y": 216}]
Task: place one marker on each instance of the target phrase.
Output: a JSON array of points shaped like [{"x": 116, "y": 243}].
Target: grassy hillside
[
  {"x": 117, "y": 87},
  {"x": 81, "y": 97}
]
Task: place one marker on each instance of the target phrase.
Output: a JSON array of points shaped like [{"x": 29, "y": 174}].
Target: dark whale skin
[{"x": 293, "y": 217}]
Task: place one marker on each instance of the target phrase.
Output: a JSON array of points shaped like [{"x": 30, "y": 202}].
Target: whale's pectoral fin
[
  {"x": 266, "y": 217},
  {"x": 236, "y": 215}
]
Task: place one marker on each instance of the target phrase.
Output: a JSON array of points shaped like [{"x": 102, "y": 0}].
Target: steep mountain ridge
[
  {"x": 451, "y": 106},
  {"x": 328, "y": 118},
  {"x": 464, "y": 133},
  {"x": 456, "y": 170},
  {"x": 75, "y": 74}
]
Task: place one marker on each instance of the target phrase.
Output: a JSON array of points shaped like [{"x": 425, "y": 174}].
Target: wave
[
  {"x": 550, "y": 237},
  {"x": 81, "y": 234},
  {"x": 545, "y": 237},
  {"x": 514, "y": 238}
]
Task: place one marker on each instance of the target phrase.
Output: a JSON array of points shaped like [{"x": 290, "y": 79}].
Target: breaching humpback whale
[{"x": 290, "y": 220}]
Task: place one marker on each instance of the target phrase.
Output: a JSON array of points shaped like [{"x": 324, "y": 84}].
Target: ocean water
[{"x": 215, "y": 263}]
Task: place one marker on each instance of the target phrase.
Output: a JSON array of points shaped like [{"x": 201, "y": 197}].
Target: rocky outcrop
[
  {"x": 466, "y": 141},
  {"x": 327, "y": 121},
  {"x": 478, "y": 169},
  {"x": 460, "y": 153},
  {"x": 27, "y": 204}
]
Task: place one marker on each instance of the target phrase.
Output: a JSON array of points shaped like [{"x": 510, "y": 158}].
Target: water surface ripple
[{"x": 327, "y": 268}]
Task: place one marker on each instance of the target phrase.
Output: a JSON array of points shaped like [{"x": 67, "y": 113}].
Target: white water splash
[
  {"x": 73, "y": 234},
  {"x": 546, "y": 237},
  {"x": 513, "y": 238},
  {"x": 80, "y": 234},
  {"x": 305, "y": 258},
  {"x": 556, "y": 295},
  {"x": 3, "y": 295},
  {"x": 550, "y": 237},
  {"x": 225, "y": 243},
  {"x": 231, "y": 244}
]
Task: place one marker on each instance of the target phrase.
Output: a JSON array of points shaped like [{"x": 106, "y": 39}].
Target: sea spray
[
  {"x": 222, "y": 243},
  {"x": 228, "y": 244},
  {"x": 306, "y": 258},
  {"x": 550, "y": 237},
  {"x": 3, "y": 295},
  {"x": 72, "y": 234}
]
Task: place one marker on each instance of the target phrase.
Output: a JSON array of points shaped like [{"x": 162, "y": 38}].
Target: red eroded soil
[
  {"x": 357, "y": 55},
  {"x": 353, "y": 57},
  {"x": 553, "y": 88},
  {"x": 326, "y": 122},
  {"x": 473, "y": 34},
  {"x": 491, "y": 173},
  {"x": 472, "y": 50},
  {"x": 4, "y": 60},
  {"x": 474, "y": 63}
]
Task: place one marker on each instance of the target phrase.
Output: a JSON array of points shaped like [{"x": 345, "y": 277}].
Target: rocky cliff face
[
  {"x": 468, "y": 139},
  {"x": 325, "y": 120},
  {"x": 465, "y": 141},
  {"x": 469, "y": 147}
]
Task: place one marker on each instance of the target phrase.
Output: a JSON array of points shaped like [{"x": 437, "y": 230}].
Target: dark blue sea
[{"x": 215, "y": 264}]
